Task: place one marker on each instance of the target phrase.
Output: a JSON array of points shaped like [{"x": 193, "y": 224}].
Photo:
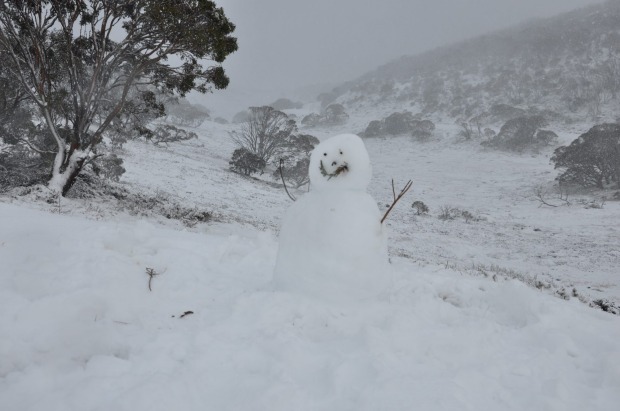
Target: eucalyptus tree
[{"x": 79, "y": 63}]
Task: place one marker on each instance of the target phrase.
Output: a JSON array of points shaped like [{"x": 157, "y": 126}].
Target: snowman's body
[{"x": 332, "y": 244}]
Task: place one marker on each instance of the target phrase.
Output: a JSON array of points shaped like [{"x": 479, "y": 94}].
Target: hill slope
[{"x": 567, "y": 66}]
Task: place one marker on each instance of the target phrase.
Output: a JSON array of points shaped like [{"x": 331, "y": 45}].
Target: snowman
[{"x": 332, "y": 244}]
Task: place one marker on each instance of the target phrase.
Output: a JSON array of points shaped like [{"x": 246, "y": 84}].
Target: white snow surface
[{"x": 81, "y": 330}]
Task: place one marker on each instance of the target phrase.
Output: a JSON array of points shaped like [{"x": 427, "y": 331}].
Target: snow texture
[
  {"x": 332, "y": 244},
  {"x": 81, "y": 331}
]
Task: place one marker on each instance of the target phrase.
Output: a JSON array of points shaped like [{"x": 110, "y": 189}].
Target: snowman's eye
[
  {"x": 325, "y": 154},
  {"x": 340, "y": 152}
]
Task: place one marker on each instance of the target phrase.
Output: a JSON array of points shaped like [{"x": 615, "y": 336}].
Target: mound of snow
[{"x": 81, "y": 330}]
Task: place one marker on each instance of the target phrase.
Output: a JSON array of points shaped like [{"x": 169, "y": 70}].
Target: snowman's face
[
  {"x": 333, "y": 163},
  {"x": 340, "y": 162}
]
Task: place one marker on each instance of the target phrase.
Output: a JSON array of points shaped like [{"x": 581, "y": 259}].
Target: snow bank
[{"x": 81, "y": 331}]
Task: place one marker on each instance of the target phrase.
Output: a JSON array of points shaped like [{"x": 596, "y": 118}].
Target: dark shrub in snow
[
  {"x": 422, "y": 129},
  {"x": 246, "y": 162},
  {"x": 522, "y": 133},
  {"x": 593, "y": 159}
]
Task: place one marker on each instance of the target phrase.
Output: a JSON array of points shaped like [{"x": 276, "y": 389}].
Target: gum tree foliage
[
  {"x": 77, "y": 61},
  {"x": 591, "y": 160},
  {"x": 265, "y": 133}
]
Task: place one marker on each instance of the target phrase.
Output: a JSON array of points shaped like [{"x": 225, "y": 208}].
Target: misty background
[{"x": 299, "y": 49}]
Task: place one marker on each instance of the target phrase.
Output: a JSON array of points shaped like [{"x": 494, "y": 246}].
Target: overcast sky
[{"x": 289, "y": 44}]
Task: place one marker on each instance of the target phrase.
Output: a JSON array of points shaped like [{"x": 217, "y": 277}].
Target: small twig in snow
[{"x": 151, "y": 273}]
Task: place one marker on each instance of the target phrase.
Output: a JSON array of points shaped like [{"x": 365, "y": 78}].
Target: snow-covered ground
[{"x": 80, "y": 329}]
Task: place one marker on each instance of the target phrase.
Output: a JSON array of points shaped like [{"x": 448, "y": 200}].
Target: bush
[
  {"x": 334, "y": 114},
  {"x": 245, "y": 162},
  {"x": 420, "y": 207},
  {"x": 311, "y": 120},
  {"x": 286, "y": 104},
  {"x": 164, "y": 134},
  {"x": 593, "y": 159},
  {"x": 521, "y": 134},
  {"x": 374, "y": 129},
  {"x": 452, "y": 213},
  {"x": 422, "y": 129},
  {"x": 398, "y": 123}
]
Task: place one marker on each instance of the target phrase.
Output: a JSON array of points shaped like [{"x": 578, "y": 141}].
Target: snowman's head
[{"x": 340, "y": 163}]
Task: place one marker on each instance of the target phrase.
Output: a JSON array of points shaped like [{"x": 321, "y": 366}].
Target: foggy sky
[{"x": 288, "y": 44}]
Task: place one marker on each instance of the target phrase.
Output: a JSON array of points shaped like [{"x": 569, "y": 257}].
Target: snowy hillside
[
  {"x": 566, "y": 67},
  {"x": 474, "y": 320}
]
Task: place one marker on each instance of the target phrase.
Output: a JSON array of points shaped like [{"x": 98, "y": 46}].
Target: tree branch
[
  {"x": 283, "y": 182},
  {"x": 396, "y": 198}
]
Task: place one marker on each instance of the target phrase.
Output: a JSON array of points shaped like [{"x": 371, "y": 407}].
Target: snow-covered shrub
[
  {"x": 522, "y": 133},
  {"x": 420, "y": 207},
  {"x": 166, "y": 133},
  {"x": 374, "y": 129},
  {"x": 286, "y": 104},
  {"x": 334, "y": 114},
  {"x": 245, "y": 162},
  {"x": 398, "y": 123},
  {"x": 447, "y": 212},
  {"x": 466, "y": 131},
  {"x": 311, "y": 120},
  {"x": 593, "y": 159},
  {"x": 220, "y": 120},
  {"x": 422, "y": 129}
]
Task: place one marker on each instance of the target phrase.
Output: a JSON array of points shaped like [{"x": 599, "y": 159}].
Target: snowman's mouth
[
  {"x": 339, "y": 170},
  {"x": 342, "y": 169}
]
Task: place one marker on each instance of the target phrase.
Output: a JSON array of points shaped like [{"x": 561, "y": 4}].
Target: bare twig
[
  {"x": 541, "y": 195},
  {"x": 396, "y": 198},
  {"x": 284, "y": 182},
  {"x": 151, "y": 273}
]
